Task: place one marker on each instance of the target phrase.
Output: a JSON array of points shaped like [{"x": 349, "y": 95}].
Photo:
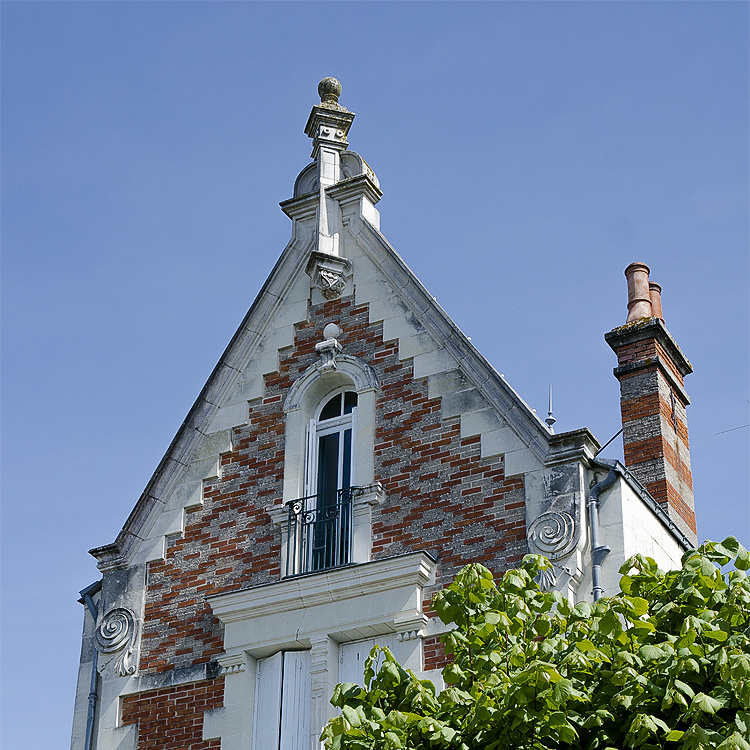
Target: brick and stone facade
[{"x": 202, "y": 597}]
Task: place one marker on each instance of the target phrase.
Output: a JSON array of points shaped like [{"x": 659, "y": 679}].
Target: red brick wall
[
  {"x": 434, "y": 653},
  {"x": 641, "y": 350},
  {"x": 441, "y": 496},
  {"x": 172, "y": 718}
]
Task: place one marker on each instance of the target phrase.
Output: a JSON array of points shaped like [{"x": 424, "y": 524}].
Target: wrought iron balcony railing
[{"x": 319, "y": 531}]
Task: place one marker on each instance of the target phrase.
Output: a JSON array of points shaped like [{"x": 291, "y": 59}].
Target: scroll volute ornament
[{"x": 116, "y": 631}]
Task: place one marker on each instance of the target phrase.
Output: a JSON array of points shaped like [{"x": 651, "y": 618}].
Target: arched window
[
  {"x": 324, "y": 515},
  {"x": 325, "y": 518},
  {"x": 330, "y": 446}
]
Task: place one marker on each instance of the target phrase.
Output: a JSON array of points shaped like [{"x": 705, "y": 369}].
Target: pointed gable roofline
[{"x": 524, "y": 422}]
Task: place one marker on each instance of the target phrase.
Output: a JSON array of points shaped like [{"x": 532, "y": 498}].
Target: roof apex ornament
[
  {"x": 328, "y": 126},
  {"x": 329, "y": 90},
  {"x": 329, "y": 122}
]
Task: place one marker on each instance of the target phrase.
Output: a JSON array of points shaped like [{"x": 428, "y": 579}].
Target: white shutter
[
  {"x": 295, "y": 701},
  {"x": 352, "y": 656},
  {"x": 267, "y": 702},
  {"x": 311, "y": 458},
  {"x": 353, "y": 478}
]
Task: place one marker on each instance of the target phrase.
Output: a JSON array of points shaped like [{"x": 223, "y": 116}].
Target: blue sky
[{"x": 528, "y": 152}]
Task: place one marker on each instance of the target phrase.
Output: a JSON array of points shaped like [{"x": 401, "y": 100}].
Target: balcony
[
  {"x": 323, "y": 532},
  {"x": 319, "y": 531}
]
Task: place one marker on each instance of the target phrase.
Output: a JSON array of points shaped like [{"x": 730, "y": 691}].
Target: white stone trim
[
  {"x": 317, "y": 612},
  {"x": 295, "y": 595},
  {"x": 362, "y": 376}
]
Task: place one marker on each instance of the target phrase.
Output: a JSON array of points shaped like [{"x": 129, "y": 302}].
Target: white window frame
[
  {"x": 314, "y": 431},
  {"x": 307, "y": 396}
]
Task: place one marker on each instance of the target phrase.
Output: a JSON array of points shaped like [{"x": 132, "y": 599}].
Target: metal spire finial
[{"x": 550, "y": 419}]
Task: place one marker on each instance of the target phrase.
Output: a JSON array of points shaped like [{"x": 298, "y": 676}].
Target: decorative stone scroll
[
  {"x": 554, "y": 534},
  {"x": 116, "y": 631}
]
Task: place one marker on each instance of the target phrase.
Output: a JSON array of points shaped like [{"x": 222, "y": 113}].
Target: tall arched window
[
  {"x": 330, "y": 446},
  {"x": 325, "y": 519},
  {"x": 324, "y": 516}
]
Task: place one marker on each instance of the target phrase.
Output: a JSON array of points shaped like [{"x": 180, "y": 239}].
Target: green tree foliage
[{"x": 663, "y": 665}]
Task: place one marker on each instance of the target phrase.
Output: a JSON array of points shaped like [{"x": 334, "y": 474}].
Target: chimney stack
[{"x": 651, "y": 371}]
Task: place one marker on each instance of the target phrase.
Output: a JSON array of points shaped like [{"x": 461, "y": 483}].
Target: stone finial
[
  {"x": 329, "y": 348},
  {"x": 329, "y": 90},
  {"x": 331, "y": 331}
]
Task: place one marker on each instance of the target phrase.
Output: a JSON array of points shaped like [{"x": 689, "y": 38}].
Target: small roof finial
[
  {"x": 550, "y": 418},
  {"x": 329, "y": 90}
]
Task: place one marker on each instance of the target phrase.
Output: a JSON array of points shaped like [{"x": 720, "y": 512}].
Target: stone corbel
[
  {"x": 279, "y": 514},
  {"x": 329, "y": 273},
  {"x": 232, "y": 664},
  {"x": 410, "y": 626},
  {"x": 373, "y": 494}
]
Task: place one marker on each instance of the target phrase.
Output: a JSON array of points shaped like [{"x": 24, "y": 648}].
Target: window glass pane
[
  {"x": 332, "y": 408},
  {"x": 328, "y": 468},
  {"x": 325, "y": 526},
  {"x": 350, "y": 401}
]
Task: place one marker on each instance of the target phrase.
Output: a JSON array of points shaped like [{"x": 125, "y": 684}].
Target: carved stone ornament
[
  {"x": 329, "y": 273},
  {"x": 546, "y": 579},
  {"x": 329, "y": 348},
  {"x": 560, "y": 578},
  {"x": 116, "y": 631},
  {"x": 232, "y": 664},
  {"x": 331, "y": 134},
  {"x": 554, "y": 534}
]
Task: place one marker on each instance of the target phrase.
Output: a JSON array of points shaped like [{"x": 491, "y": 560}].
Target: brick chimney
[{"x": 651, "y": 370}]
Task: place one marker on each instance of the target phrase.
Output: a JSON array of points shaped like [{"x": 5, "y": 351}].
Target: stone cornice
[
  {"x": 331, "y": 115},
  {"x": 576, "y": 445},
  {"x": 649, "y": 328},
  {"x": 352, "y": 189},
  {"x": 337, "y": 584},
  {"x": 302, "y": 207}
]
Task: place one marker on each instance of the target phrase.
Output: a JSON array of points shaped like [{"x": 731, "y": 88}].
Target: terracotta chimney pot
[
  {"x": 655, "y": 291},
  {"x": 639, "y": 295}
]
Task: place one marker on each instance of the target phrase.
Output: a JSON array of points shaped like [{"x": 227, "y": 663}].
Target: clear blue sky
[{"x": 528, "y": 152}]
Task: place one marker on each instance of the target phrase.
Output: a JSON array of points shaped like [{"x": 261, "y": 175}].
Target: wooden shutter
[
  {"x": 311, "y": 460},
  {"x": 295, "y": 701},
  {"x": 354, "y": 447},
  {"x": 352, "y": 656},
  {"x": 267, "y": 716}
]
